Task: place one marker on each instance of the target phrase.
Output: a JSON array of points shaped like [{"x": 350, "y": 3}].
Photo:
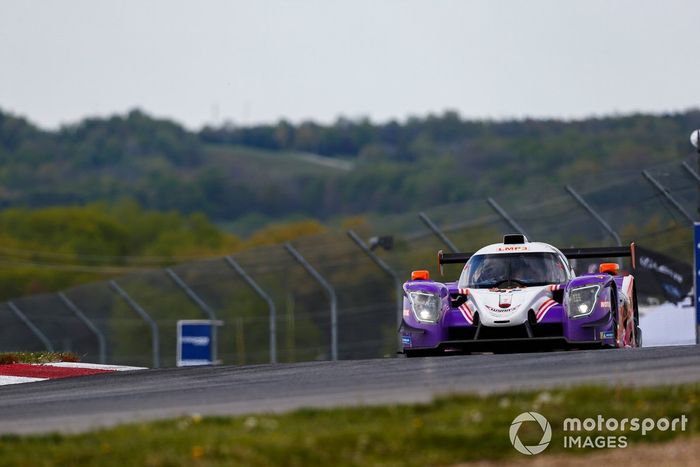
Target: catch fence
[{"x": 336, "y": 295}]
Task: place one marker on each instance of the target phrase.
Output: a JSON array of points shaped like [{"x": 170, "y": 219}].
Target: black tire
[
  {"x": 413, "y": 353},
  {"x": 637, "y": 330},
  {"x": 614, "y": 310},
  {"x": 638, "y": 336}
]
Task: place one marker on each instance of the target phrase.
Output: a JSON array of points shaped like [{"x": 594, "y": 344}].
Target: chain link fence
[{"x": 265, "y": 295}]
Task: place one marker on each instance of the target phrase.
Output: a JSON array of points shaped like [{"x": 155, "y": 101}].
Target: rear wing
[
  {"x": 603, "y": 252},
  {"x": 571, "y": 253},
  {"x": 452, "y": 258}
]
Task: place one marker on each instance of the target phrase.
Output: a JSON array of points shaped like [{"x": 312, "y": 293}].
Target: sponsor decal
[
  {"x": 607, "y": 335},
  {"x": 505, "y": 300},
  {"x": 502, "y": 310},
  {"x": 663, "y": 277},
  {"x": 650, "y": 263},
  {"x": 604, "y": 304},
  {"x": 196, "y": 340},
  {"x": 467, "y": 312},
  {"x": 406, "y": 341},
  {"x": 544, "y": 308},
  {"x": 513, "y": 248}
]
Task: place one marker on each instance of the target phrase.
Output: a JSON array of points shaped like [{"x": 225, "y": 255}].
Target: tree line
[{"x": 237, "y": 173}]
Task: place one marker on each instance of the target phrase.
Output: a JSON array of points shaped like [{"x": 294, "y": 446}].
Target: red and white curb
[{"x": 17, "y": 373}]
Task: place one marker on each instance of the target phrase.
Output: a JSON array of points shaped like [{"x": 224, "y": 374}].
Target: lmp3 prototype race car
[{"x": 520, "y": 295}]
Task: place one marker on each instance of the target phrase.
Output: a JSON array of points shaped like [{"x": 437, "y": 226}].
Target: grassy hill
[{"x": 248, "y": 176}]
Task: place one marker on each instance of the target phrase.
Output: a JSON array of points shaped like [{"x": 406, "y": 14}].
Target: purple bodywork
[{"x": 454, "y": 331}]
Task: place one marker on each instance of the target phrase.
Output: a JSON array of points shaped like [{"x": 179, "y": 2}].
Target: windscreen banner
[
  {"x": 659, "y": 278},
  {"x": 662, "y": 277}
]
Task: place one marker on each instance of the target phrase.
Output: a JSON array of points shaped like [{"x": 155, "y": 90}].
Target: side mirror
[{"x": 420, "y": 275}]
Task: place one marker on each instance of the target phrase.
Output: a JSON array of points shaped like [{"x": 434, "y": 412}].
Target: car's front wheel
[{"x": 411, "y": 353}]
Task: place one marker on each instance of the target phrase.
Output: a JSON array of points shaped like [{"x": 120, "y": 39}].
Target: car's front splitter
[{"x": 509, "y": 345}]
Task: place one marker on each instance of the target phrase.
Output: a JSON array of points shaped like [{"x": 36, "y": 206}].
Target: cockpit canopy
[{"x": 513, "y": 270}]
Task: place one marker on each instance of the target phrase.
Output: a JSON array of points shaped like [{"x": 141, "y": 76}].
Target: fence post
[
  {"x": 291, "y": 329},
  {"x": 331, "y": 294},
  {"x": 667, "y": 195},
  {"x": 384, "y": 267},
  {"x": 594, "y": 214},
  {"x": 240, "y": 341},
  {"x": 203, "y": 306},
  {"x": 502, "y": 212},
  {"x": 155, "y": 338},
  {"x": 262, "y": 294},
  {"x": 101, "y": 342},
  {"x": 690, "y": 170},
  {"x": 438, "y": 233},
  {"x": 32, "y": 327},
  {"x": 695, "y": 175}
]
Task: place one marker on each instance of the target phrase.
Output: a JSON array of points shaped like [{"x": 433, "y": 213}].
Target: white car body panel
[{"x": 491, "y": 303}]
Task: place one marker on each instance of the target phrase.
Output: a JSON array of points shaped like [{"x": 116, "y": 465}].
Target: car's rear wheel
[
  {"x": 614, "y": 310},
  {"x": 637, "y": 329},
  {"x": 633, "y": 334},
  {"x": 632, "y": 340},
  {"x": 638, "y": 336}
]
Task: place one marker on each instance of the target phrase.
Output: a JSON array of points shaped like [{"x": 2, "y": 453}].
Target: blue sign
[
  {"x": 195, "y": 342},
  {"x": 696, "y": 237}
]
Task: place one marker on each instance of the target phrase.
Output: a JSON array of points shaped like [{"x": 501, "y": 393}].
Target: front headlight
[
  {"x": 426, "y": 306},
  {"x": 582, "y": 301}
]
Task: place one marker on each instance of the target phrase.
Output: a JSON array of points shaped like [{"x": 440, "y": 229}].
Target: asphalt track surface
[{"x": 83, "y": 403}]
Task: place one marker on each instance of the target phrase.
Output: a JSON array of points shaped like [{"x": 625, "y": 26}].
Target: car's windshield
[{"x": 513, "y": 270}]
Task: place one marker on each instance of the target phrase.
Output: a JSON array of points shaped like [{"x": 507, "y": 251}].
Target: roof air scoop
[{"x": 514, "y": 239}]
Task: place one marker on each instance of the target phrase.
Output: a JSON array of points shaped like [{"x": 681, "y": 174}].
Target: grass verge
[
  {"x": 37, "y": 357},
  {"x": 449, "y": 430}
]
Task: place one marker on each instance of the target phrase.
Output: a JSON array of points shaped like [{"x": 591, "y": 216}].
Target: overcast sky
[{"x": 252, "y": 61}]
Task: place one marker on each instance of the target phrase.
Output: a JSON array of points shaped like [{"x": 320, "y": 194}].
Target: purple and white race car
[{"x": 520, "y": 295}]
